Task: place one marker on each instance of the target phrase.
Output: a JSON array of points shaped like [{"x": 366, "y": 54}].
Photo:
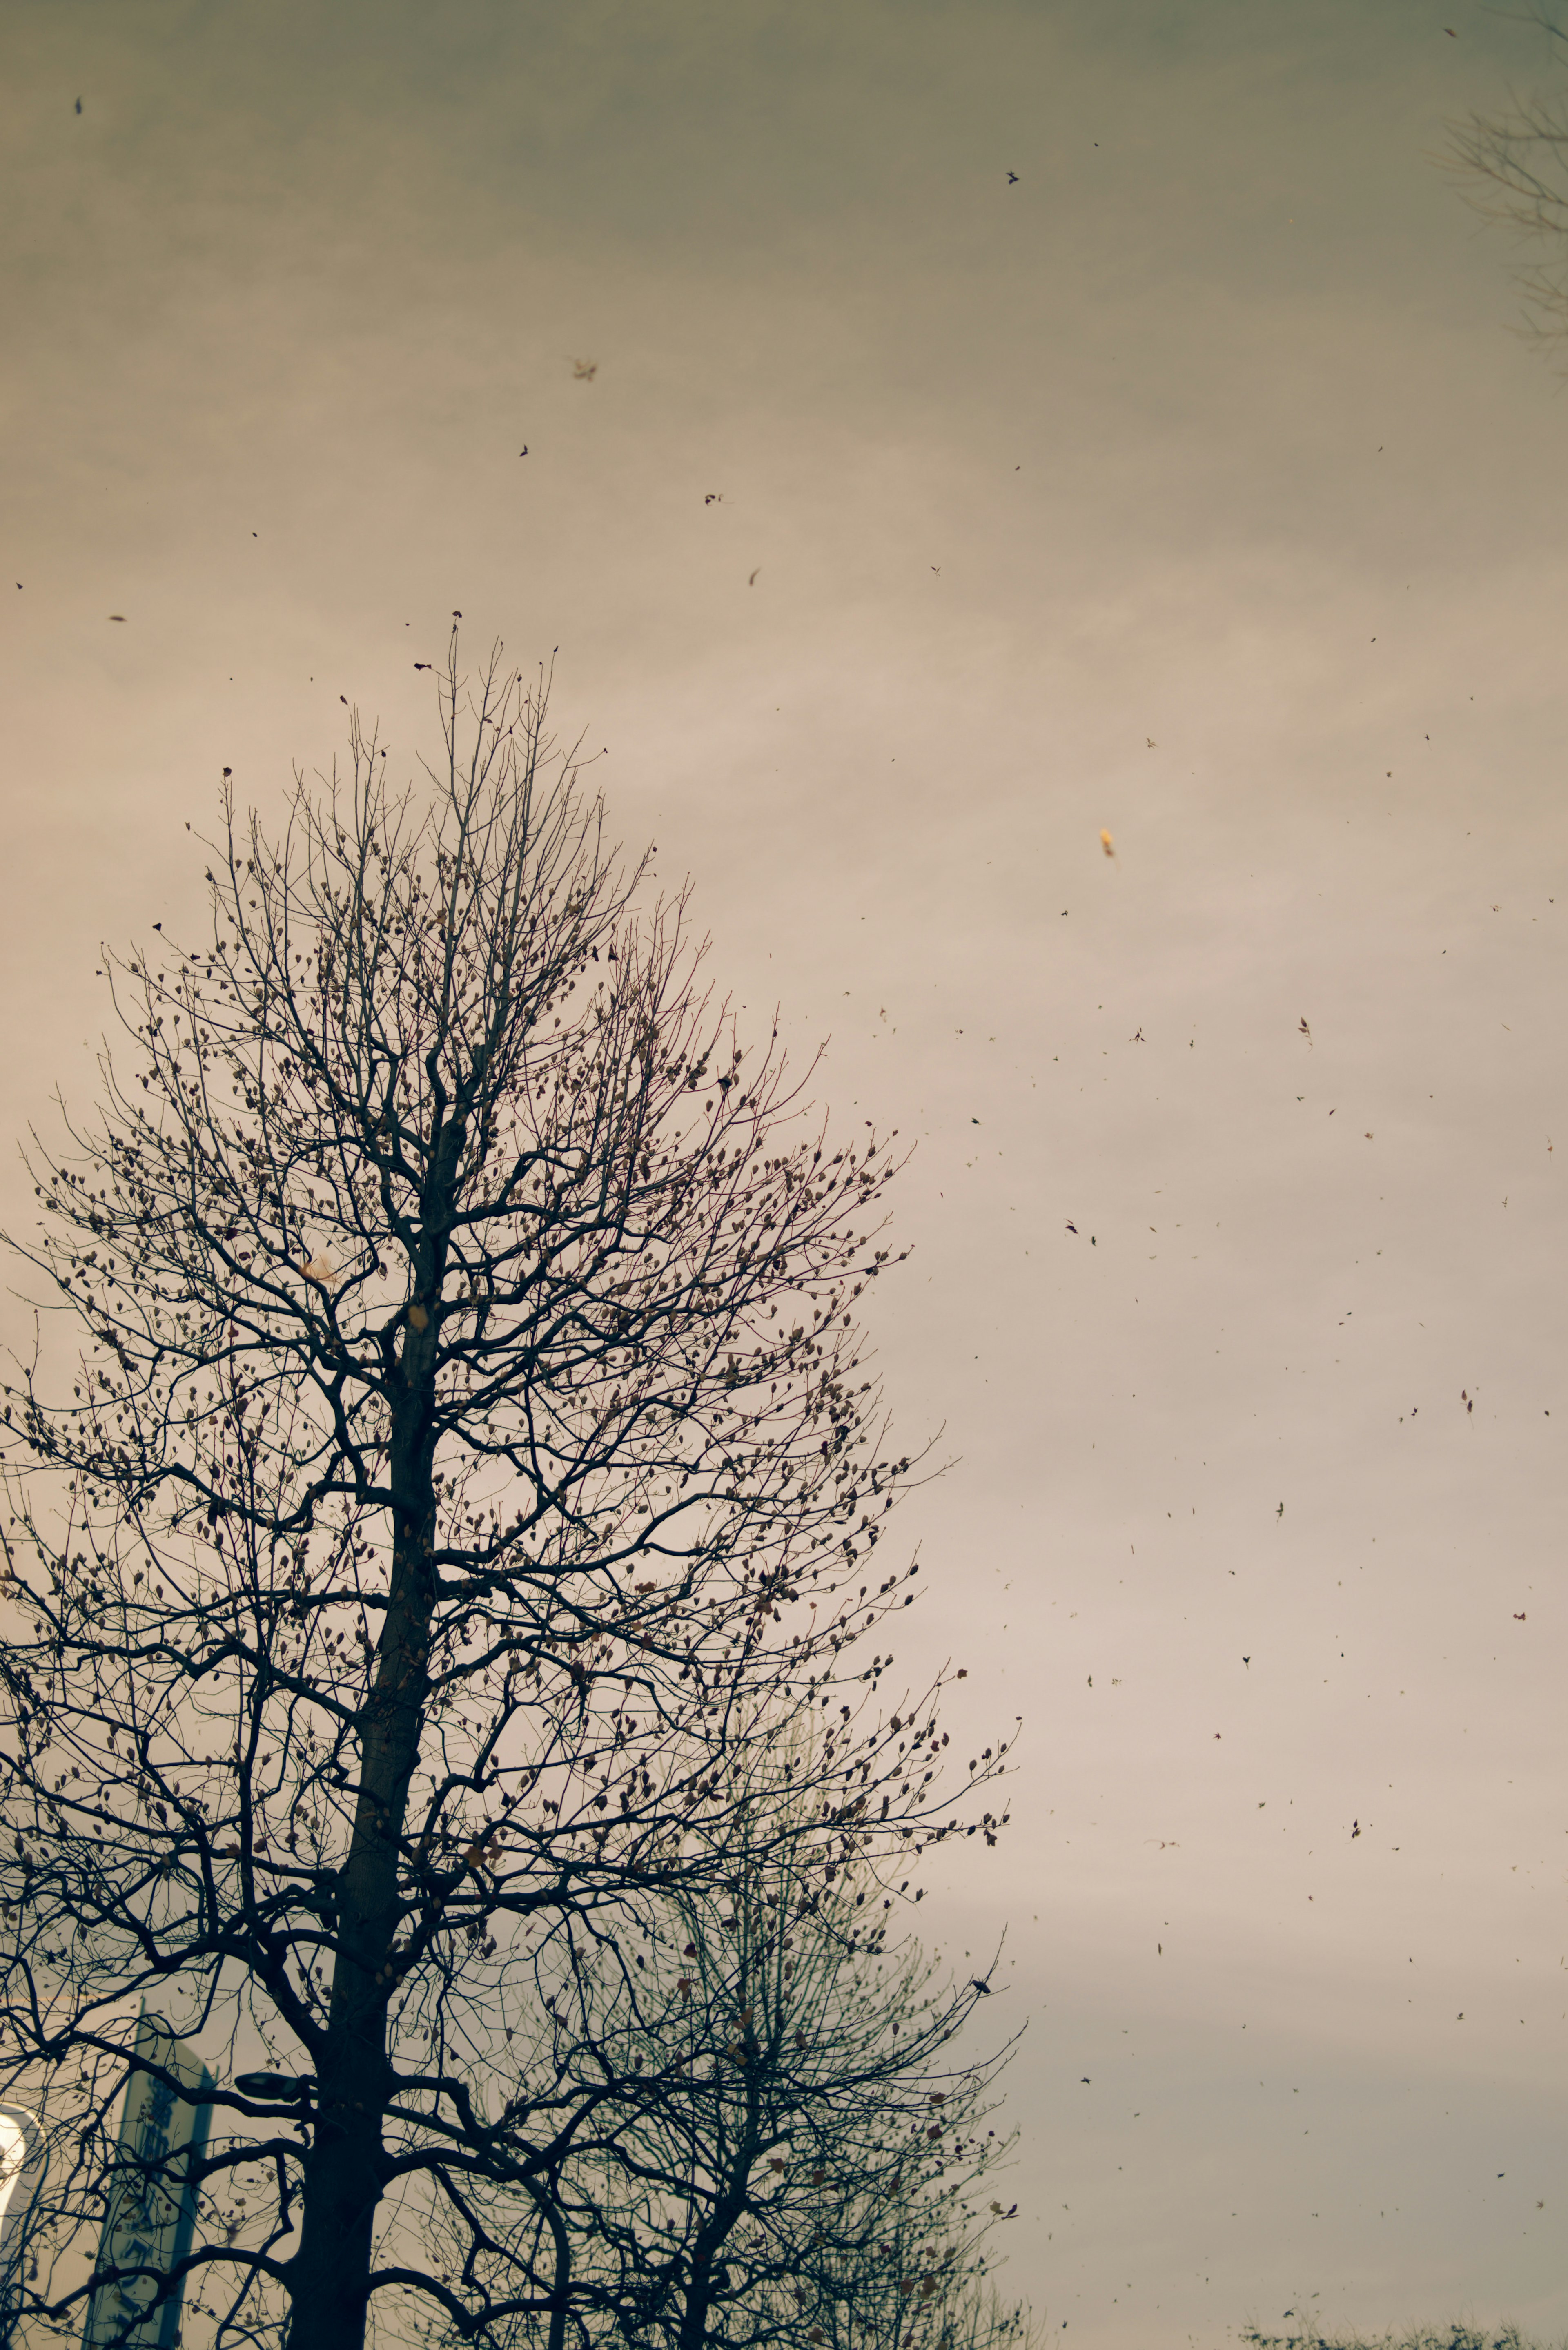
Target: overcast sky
[{"x": 1190, "y": 487}]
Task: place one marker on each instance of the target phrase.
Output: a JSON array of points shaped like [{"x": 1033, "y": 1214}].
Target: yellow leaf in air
[
  {"x": 1107, "y": 843},
  {"x": 319, "y": 1269},
  {"x": 419, "y": 1319}
]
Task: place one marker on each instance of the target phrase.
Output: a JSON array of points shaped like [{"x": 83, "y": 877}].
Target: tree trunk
[
  {"x": 343, "y": 2175},
  {"x": 714, "y": 2234}
]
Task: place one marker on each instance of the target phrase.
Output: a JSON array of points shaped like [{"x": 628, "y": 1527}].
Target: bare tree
[
  {"x": 1513, "y": 168},
  {"x": 920, "y": 2285},
  {"x": 757, "y": 2127},
  {"x": 467, "y": 1453}
]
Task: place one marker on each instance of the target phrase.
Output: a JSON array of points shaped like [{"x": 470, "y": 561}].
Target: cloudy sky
[{"x": 1189, "y": 486}]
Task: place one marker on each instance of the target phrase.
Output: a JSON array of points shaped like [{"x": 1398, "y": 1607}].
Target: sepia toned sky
[{"x": 1190, "y": 487}]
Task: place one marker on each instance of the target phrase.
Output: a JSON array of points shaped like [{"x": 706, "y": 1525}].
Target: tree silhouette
[
  {"x": 462, "y": 1471},
  {"x": 1513, "y": 168},
  {"x": 752, "y": 2125}
]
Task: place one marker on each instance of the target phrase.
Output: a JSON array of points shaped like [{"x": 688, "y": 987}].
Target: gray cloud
[{"x": 1208, "y": 432}]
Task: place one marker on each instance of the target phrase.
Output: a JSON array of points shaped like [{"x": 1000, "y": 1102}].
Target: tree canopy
[
  {"x": 448, "y": 1463},
  {"x": 755, "y": 2127}
]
